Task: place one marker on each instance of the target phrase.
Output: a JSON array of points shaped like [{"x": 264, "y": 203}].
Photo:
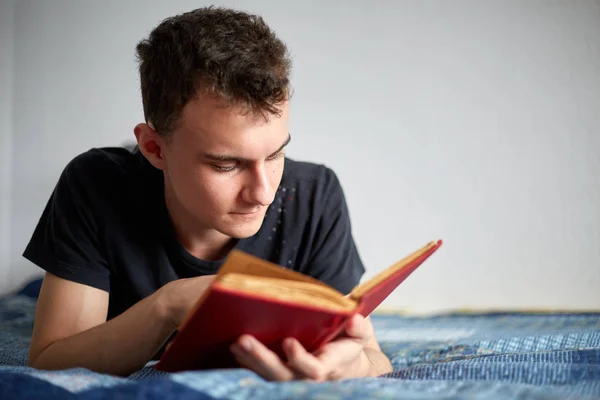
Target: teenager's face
[{"x": 222, "y": 167}]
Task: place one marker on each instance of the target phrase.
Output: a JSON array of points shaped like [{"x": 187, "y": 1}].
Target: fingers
[
  {"x": 332, "y": 361},
  {"x": 357, "y": 328},
  {"x": 303, "y": 362},
  {"x": 252, "y": 354}
]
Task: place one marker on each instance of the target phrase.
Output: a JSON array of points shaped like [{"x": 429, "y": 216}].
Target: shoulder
[
  {"x": 103, "y": 184},
  {"x": 318, "y": 180},
  {"x": 313, "y": 207},
  {"x": 312, "y": 199},
  {"x": 104, "y": 163},
  {"x": 92, "y": 193},
  {"x": 307, "y": 172},
  {"x": 103, "y": 172},
  {"x": 312, "y": 190}
]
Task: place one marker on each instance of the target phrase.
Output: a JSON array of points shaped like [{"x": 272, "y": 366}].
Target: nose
[{"x": 258, "y": 189}]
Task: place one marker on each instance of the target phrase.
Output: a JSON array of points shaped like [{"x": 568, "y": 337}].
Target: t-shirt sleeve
[
  {"x": 66, "y": 239},
  {"x": 335, "y": 259}
]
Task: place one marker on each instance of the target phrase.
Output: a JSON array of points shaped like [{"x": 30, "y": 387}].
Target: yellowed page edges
[{"x": 361, "y": 289}]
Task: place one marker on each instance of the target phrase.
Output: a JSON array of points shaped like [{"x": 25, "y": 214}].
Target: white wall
[
  {"x": 6, "y": 107},
  {"x": 476, "y": 122}
]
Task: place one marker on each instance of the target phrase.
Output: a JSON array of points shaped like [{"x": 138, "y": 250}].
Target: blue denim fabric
[{"x": 489, "y": 356}]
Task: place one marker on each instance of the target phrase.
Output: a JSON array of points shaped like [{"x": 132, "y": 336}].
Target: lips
[{"x": 246, "y": 212}]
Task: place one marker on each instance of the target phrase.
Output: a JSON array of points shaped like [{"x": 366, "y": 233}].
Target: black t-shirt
[{"x": 106, "y": 225}]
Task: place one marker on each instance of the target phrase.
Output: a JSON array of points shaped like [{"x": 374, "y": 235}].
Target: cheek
[
  {"x": 187, "y": 178},
  {"x": 218, "y": 192},
  {"x": 275, "y": 174},
  {"x": 196, "y": 187},
  {"x": 180, "y": 168}
]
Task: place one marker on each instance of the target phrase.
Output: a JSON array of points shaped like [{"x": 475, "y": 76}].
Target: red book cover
[
  {"x": 371, "y": 298},
  {"x": 226, "y": 311}
]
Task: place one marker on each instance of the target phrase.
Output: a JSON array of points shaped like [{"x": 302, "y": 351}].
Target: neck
[{"x": 201, "y": 242}]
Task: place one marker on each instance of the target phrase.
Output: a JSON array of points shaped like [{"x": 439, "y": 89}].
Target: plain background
[{"x": 472, "y": 121}]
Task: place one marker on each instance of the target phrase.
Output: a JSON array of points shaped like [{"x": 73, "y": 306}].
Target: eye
[{"x": 221, "y": 168}]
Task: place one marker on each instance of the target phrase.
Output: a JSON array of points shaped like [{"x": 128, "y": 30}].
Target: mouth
[{"x": 246, "y": 213}]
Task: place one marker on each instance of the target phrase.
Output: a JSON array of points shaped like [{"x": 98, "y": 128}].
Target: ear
[{"x": 151, "y": 144}]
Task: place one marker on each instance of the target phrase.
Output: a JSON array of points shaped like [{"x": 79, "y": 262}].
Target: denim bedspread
[{"x": 491, "y": 356}]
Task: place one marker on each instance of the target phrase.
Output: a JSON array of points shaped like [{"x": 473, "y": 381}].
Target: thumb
[{"x": 356, "y": 327}]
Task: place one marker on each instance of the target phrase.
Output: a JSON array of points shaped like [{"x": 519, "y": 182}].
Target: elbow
[
  {"x": 35, "y": 357},
  {"x": 32, "y": 361},
  {"x": 44, "y": 363},
  {"x": 32, "y": 357}
]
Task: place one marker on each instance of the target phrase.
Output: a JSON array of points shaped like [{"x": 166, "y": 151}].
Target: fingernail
[
  {"x": 246, "y": 344},
  {"x": 289, "y": 343}
]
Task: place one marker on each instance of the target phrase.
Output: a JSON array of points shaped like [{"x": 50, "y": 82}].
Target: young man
[{"x": 129, "y": 240}]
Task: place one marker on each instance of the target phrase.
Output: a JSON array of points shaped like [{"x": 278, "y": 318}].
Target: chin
[{"x": 242, "y": 231}]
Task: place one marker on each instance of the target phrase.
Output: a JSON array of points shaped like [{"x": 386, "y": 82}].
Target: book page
[
  {"x": 247, "y": 264},
  {"x": 297, "y": 292},
  {"x": 361, "y": 289}
]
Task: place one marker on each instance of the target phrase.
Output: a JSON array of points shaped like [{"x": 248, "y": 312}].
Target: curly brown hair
[{"x": 226, "y": 52}]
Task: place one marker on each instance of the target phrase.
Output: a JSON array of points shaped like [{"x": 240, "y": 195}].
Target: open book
[{"x": 253, "y": 296}]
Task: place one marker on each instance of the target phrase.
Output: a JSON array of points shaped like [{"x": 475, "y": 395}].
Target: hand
[
  {"x": 179, "y": 296},
  {"x": 341, "y": 358}
]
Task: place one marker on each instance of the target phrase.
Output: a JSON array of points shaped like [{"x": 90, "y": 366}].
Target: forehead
[{"x": 211, "y": 124}]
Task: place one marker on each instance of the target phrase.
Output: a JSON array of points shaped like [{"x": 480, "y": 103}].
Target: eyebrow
[{"x": 226, "y": 158}]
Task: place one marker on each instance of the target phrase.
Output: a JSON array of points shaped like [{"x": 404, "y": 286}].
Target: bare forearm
[
  {"x": 119, "y": 346},
  {"x": 380, "y": 364}
]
